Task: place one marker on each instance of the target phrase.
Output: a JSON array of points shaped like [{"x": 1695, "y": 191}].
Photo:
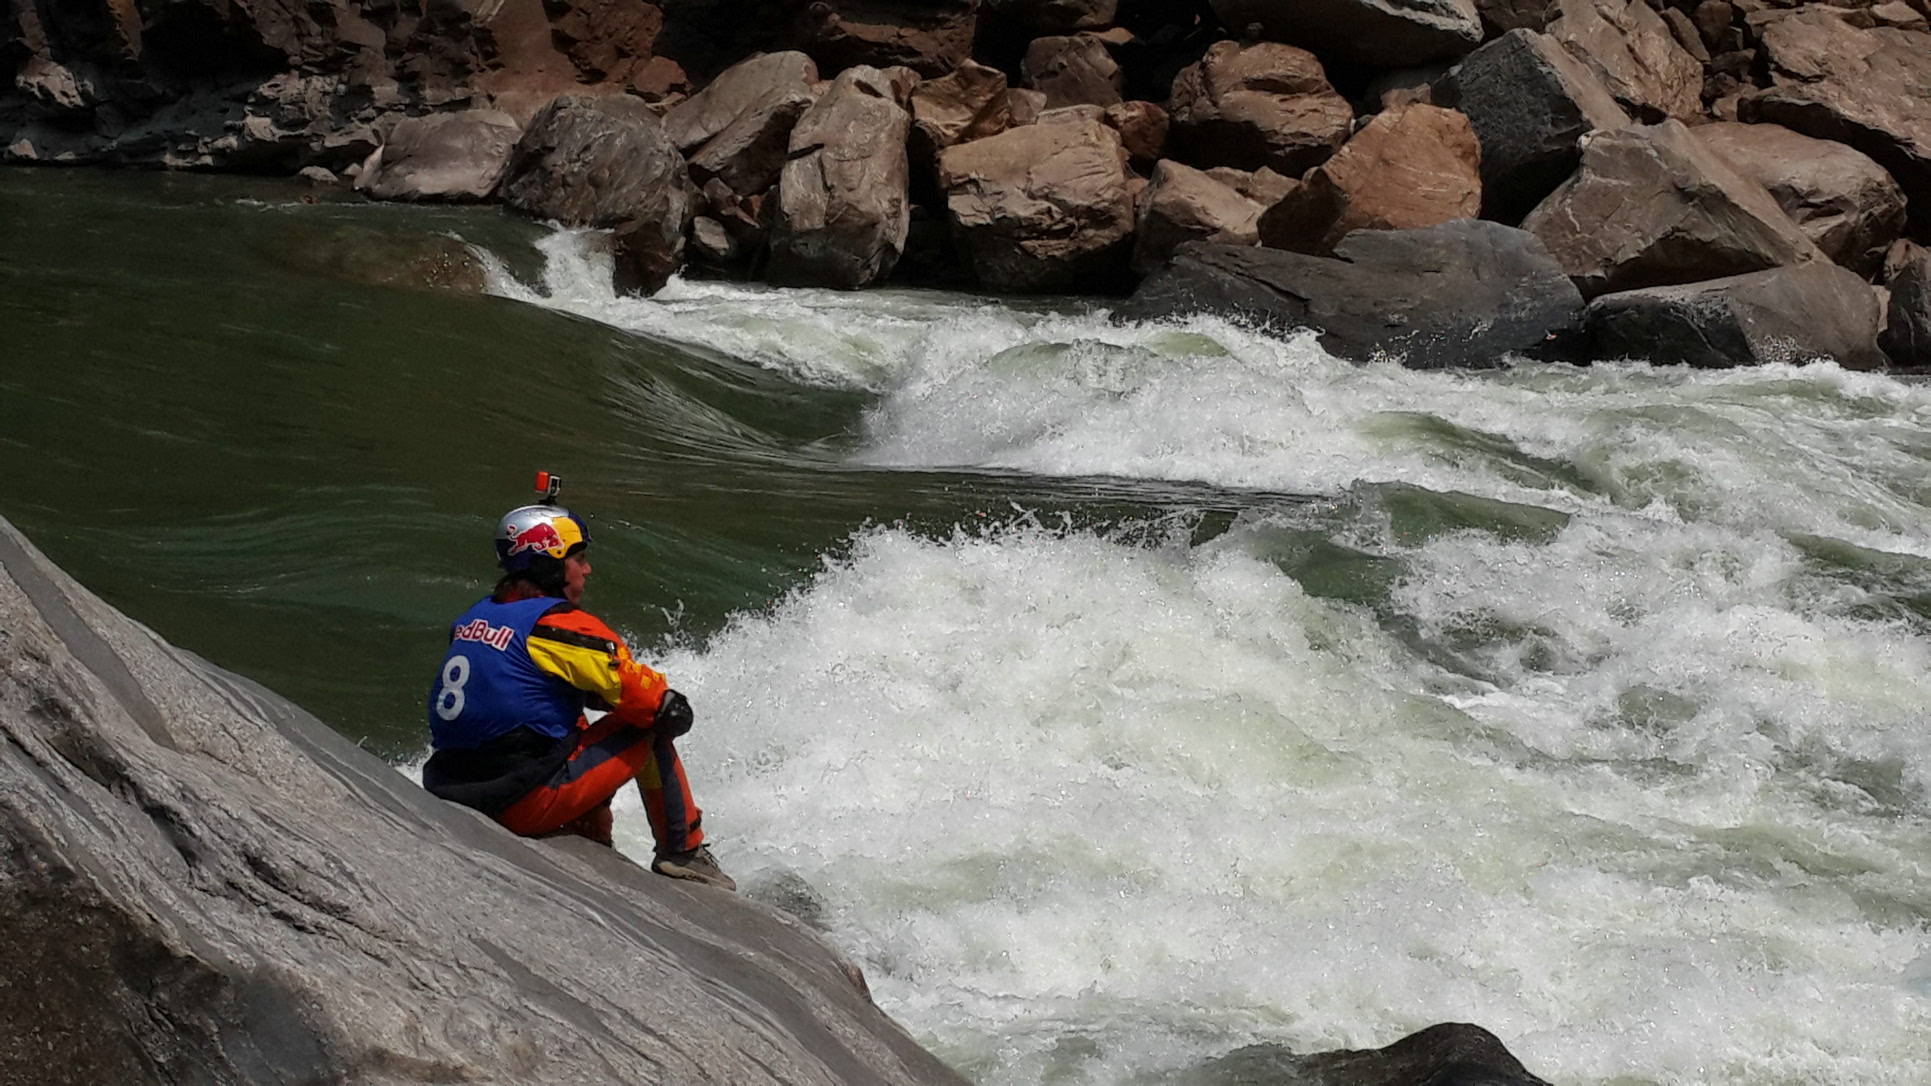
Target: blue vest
[{"x": 489, "y": 686}]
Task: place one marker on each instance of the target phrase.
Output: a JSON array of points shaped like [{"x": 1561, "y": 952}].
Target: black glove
[{"x": 673, "y": 715}]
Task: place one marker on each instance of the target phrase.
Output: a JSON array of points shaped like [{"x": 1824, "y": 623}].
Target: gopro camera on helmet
[{"x": 548, "y": 486}]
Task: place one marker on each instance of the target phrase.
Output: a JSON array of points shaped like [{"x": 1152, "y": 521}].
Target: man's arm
[{"x": 579, "y": 649}]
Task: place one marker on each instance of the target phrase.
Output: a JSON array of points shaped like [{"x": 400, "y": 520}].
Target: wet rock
[
  {"x": 1907, "y": 327},
  {"x": 203, "y": 883},
  {"x": 1449, "y": 1054},
  {"x": 1143, "y": 131},
  {"x": 1072, "y": 71},
  {"x": 1844, "y": 202},
  {"x": 842, "y": 202},
  {"x": 1464, "y": 293},
  {"x": 1530, "y": 103},
  {"x": 1816, "y": 310},
  {"x": 1377, "y": 33},
  {"x": 1870, "y": 89},
  {"x": 444, "y": 156},
  {"x": 1412, "y": 167},
  {"x": 931, "y": 37},
  {"x": 605, "y": 162},
  {"x": 1632, "y": 49},
  {"x": 737, "y": 90},
  {"x": 1259, "y": 105},
  {"x": 1652, "y": 206},
  {"x": 1045, "y": 207},
  {"x": 1182, "y": 204}
]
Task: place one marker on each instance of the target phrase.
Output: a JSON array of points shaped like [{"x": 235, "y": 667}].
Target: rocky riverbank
[{"x": 1718, "y": 182}]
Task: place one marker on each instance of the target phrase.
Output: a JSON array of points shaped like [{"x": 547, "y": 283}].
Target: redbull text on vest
[{"x": 496, "y": 637}]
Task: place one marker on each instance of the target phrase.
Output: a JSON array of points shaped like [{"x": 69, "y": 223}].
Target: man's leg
[
  {"x": 608, "y": 754},
  {"x": 675, "y": 822}
]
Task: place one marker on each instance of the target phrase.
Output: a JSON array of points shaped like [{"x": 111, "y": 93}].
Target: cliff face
[{"x": 202, "y": 883}]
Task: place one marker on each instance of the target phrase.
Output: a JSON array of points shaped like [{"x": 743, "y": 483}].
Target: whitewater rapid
[{"x": 1633, "y": 772}]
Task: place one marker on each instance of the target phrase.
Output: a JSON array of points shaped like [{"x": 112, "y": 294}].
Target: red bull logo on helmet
[{"x": 551, "y": 537}]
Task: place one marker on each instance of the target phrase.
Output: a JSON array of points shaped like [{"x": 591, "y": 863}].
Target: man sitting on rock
[{"x": 506, "y": 713}]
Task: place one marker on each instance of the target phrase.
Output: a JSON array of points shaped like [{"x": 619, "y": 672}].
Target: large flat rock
[
  {"x": 1464, "y": 293},
  {"x": 1800, "y": 314},
  {"x": 204, "y": 884}
]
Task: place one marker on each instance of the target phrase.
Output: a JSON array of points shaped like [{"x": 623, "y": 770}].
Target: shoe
[{"x": 697, "y": 865}]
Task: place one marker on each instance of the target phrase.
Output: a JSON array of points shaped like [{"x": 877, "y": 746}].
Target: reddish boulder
[
  {"x": 969, "y": 104},
  {"x": 1844, "y": 202},
  {"x": 443, "y": 156},
  {"x": 1143, "y": 131},
  {"x": 1182, "y": 204},
  {"x": 931, "y": 37},
  {"x": 1259, "y": 105},
  {"x": 739, "y": 89},
  {"x": 1870, "y": 89},
  {"x": 1632, "y": 49},
  {"x": 1653, "y": 206},
  {"x": 1072, "y": 71},
  {"x": 842, "y": 208},
  {"x": 1046, "y": 207},
  {"x": 605, "y": 162},
  {"x": 608, "y": 40},
  {"x": 1409, "y": 168}
]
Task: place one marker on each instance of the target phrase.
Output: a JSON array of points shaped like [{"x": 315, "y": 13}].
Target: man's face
[{"x": 576, "y": 569}]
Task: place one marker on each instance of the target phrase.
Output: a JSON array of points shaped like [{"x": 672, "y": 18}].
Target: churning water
[
  {"x": 1118, "y": 695},
  {"x": 1592, "y": 705}
]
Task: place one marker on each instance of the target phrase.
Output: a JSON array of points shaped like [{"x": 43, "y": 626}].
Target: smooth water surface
[{"x": 1124, "y": 695}]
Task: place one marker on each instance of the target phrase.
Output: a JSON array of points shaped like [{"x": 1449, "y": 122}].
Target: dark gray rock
[
  {"x": 1907, "y": 331},
  {"x": 1377, "y": 33},
  {"x": 605, "y": 162},
  {"x": 203, "y": 884},
  {"x": 1464, "y": 293},
  {"x": 1449, "y": 1054},
  {"x": 1531, "y": 103},
  {"x": 1798, "y": 314}
]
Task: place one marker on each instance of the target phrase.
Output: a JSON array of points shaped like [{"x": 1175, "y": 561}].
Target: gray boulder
[
  {"x": 1870, "y": 89},
  {"x": 1531, "y": 103},
  {"x": 204, "y": 884},
  {"x": 1812, "y": 311},
  {"x": 1633, "y": 50},
  {"x": 843, "y": 208},
  {"x": 443, "y": 156},
  {"x": 1449, "y": 1054},
  {"x": 1907, "y": 328},
  {"x": 1045, "y": 207},
  {"x": 1843, "y": 201},
  {"x": 1464, "y": 293},
  {"x": 1072, "y": 71},
  {"x": 1377, "y": 33},
  {"x": 1260, "y": 105},
  {"x": 737, "y": 90},
  {"x": 605, "y": 162},
  {"x": 1652, "y": 206}
]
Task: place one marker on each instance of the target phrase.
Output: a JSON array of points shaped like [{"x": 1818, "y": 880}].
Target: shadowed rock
[
  {"x": 1045, "y": 207},
  {"x": 1870, "y": 89},
  {"x": 1378, "y": 33},
  {"x": 1843, "y": 201},
  {"x": 1450, "y": 1054},
  {"x": 1464, "y": 293},
  {"x": 204, "y": 884},
  {"x": 1907, "y": 329},
  {"x": 1260, "y": 105},
  {"x": 1501, "y": 16},
  {"x": 1410, "y": 167},
  {"x": 605, "y": 162},
  {"x": 843, "y": 206},
  {"x": 1530, "y": 103},
  {"x": 1143, "y": 131},
  {"x": 931, "y": 37},
  {"x": 444, "y": 156},
  {"x": 1072, "y": 71},
  {"x": 1057, "y": 16},
  {"x": 969, "y": 104},
  {"x": 1633, "y": 50},
  {"x": 1799, "y": 314},
  {"x": 1653, "y": 206}
]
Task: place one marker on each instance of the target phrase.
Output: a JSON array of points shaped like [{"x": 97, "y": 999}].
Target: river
[{"x": 1123, "y": 695}]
